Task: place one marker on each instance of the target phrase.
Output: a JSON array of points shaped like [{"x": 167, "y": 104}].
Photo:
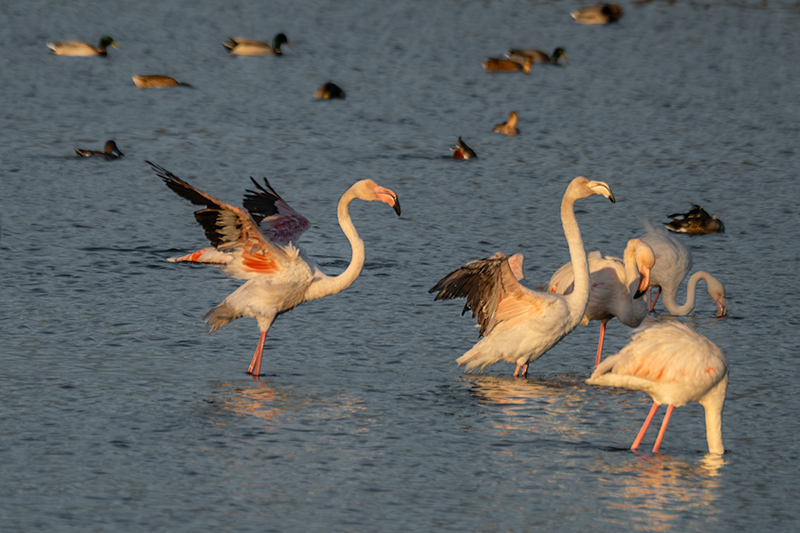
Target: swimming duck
[
  {"x": 462, "y": 151},
  {"x": 594, "y": 15},
  {"x": 510, "y": 126},
  {"x": 110, "y": 151},
  {"x": 328, "y": 91},
  {"x": 78, "y": 48},
  {"x": 695, "y": 222},
  {"x": 156, "y": 82},
  {"x": 505, "y": 65},
  {"x": 519, "y": 56},
  {"x": 245, "y": 47}
]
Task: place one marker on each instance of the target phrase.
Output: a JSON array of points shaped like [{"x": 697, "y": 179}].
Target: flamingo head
[
  {"x": 588, "y": 187},
  {"x": 370, "y": 191}
]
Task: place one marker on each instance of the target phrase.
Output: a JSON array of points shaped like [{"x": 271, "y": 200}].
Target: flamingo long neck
[
  {"x": 712, "y": 403},
  {"x": 691, "y": 289},
  {"x": 578, "y": 299},
  {"x": 333, "y": 284}
]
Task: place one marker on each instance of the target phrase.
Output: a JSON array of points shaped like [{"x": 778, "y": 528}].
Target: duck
[
  {"x": 245, "y": 47},
  {"x": 505, "y": 65},
  {"x": 597, "y": 15},
  {"x": 156, "y": 82},
  {"x": 328, "y": 91},
  {"x": 78, "y": 48},
  {"x": 508, "y": 127},
  {"x": 110, "y": 151},
  {"x": 462, "y": 151},
  {"x": 519, "y": 56},
  {"x": 696, "y": 222}
]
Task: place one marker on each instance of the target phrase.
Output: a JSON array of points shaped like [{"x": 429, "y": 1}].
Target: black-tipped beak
[
  {"x": 613, "y": 200},
  {"x": 397, "y": 206},
  {"x": 639, "y": 294}
]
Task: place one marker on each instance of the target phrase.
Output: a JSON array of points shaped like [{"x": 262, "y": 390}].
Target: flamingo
[
  {"x": 673, "y": 262},
  {"x": 675, "y": 366},
  {"x": 279, "y": 277},
  {"x": 518, "y": 324},
  {"x": 617, "y": 287}
]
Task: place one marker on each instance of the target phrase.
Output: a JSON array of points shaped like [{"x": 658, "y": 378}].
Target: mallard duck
[
  {"x": 594, "y": 15},
  {"x": 519, "y": 56},
  {"x": 78, "y": 48},
  {"x": 328, "y": 91},
  {"x": 696, "y": 222},
  {"x": 510, "y": 126},
  {"x": 504, "y": 65},
  {"x": 245, "y": 47},
  {"x": 156, "y": 82},
  {"x": 110, "y": 151},
  {"x": 462, "y": 151}
]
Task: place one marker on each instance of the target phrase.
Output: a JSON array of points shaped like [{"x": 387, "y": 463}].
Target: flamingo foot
[{"x": 255, "y": 363}]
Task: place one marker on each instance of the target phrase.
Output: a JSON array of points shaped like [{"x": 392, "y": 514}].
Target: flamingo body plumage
[
  {"x": 257, "y": 243},
  {"x": 518, "y": 324},
  {"x": 617, "y": 286},
  {"x": 674, "y": 365}
]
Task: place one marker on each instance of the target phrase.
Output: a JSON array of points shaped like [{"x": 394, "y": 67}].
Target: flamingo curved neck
[
  {"x": 691, "y": 289},
  {"x": 333, "y": 284},
  {"x": 578, "y": 299}
]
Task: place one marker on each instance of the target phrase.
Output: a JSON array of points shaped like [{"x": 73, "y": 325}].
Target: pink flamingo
[
  {"x": 675, "y": 366},
  {"x": 519, "y": 325},
  {"x": 673, "y": 262},
  {"x": 617, "y": 286},
  {"x": 278, "y": 275}
]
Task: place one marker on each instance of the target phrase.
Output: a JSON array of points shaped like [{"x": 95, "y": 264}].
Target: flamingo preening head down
[
  {"x": 518, "y": 324},
  {"x": 617, "y": 287},
  {"x": 257, "y": 243}
]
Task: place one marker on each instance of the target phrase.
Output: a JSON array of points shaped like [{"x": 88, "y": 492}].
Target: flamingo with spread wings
[
  {"x": 258, "y": 243},
  {"x": 518, "y": 324},
  {"x": 673, "y": 262},
  {"x": 617, "y": 287},
  {"x": 675, "y": 366}
]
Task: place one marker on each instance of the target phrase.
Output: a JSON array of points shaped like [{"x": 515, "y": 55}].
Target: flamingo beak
[
  {"x": 396, "y": 206},
  {"x": 644, "y": 282},
  {"x": 722, "y": 310}
]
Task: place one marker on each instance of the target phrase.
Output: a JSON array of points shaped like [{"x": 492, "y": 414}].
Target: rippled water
[{"x": 119, "y": 412}]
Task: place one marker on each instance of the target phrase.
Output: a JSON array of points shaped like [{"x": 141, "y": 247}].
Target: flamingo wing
[
  {"x": 231, "y": 229},
  {"x": 493, "y": 293},
  {"x": 276, "y": 220}
]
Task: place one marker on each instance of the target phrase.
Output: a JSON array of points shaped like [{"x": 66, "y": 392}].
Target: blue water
[{"x": 119, "y": 412}]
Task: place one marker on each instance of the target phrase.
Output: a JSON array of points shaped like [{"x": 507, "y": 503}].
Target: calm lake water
[{"x": 119, "y": 412}]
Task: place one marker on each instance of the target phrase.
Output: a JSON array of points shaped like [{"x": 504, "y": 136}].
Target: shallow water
[{"x": 120, "y": 412}]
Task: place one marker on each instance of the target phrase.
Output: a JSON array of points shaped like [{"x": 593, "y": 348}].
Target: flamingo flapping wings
[
  {"x": 518, "y": 324},
  {"x": 258, "y": 243}
]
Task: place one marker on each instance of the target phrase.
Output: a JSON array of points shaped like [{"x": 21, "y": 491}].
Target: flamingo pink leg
[
  {"x": 651, "y": 306},
  {"x": 663, "y": 428},
  {"x": 646, "y": 424},
  {"x": 521, "y": 370},
  {"x": 255, "y": 364},
  {"x": 600, "y": 343}
]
